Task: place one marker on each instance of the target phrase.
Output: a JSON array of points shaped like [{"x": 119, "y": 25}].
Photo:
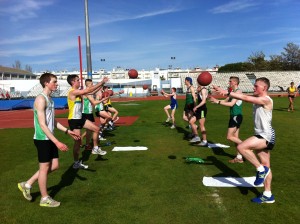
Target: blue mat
[{"x": 59, "y": 103}]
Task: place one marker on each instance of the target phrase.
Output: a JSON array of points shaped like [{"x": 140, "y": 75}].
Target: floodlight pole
[{"x": 87, "y": 39}]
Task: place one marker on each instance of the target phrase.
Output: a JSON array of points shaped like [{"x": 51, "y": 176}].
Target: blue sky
[{"x": 144, "y": 34}]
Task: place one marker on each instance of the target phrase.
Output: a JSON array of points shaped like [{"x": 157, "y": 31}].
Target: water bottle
[{"x": 194, "y": 160}]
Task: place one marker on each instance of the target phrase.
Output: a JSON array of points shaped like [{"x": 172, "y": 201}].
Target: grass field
[{"x": 154, "y": 186}]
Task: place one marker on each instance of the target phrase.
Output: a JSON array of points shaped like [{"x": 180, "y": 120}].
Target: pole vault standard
[
  {"x": 80, "y": 61},
  {"x": 88, "y": 44}
]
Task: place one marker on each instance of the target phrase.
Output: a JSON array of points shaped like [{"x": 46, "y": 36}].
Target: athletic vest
[
  {"x": 292, "y": 90},
  {"x": 236, "y": 109},
  {"x": 199, "y": 98},
  {"x": 189, "y": 97},
  {"x": 173, "y": 100},
  {"x": 38, "y": 132},
  {"x": 75, "y": 107},
  {"x": 263, "y": 122},
  {"x": 87, "y": 106},
  {"x": 99, "y": 107},
  {"x": 108, "y": 102}
]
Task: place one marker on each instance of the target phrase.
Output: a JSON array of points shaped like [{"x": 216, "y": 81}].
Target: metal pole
[
  {"x": 80, "y": 61},
  {"x": 88, "y": 45}
]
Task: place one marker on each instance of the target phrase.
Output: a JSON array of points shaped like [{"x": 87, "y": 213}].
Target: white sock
[
  {"x": 267, "y": 193},
  {"x": 44, "y": 198},
  {"x": 205, "y": 141},
  {"x": 95, "y": 147},
  {"x": 260, "y": 168},
  {"x": 27, "y": 185},
  {"x": 239, "y": 156}
]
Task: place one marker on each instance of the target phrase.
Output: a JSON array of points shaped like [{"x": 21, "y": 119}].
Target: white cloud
[
  {"x": 234, "y": 6},
  {"x": 24, "y": 38},
  {"x": 20, "y": 9}
]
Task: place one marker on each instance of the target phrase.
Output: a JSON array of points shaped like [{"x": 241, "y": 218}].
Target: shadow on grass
[
  {"x": 228, "y": 172},
  {"x": 216, "y": 150},
  {"x": 67, "y": 179},
  {"x": 186, "y": 133},
  {"x": 281, "y": 109}
]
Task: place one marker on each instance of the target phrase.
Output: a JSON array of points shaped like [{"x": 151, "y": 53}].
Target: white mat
[
  {"x": 217, "y": 145},
  {"x": 130, "y": 148},
  {"x": 229, "y": 182}
]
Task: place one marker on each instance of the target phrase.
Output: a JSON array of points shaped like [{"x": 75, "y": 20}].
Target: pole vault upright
[{"x": 87, "y": 39}]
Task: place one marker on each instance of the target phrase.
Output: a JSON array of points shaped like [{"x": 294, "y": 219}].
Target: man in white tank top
[
  {"x": 264, "y": 138},
  {"x": 46, "y": 143}
]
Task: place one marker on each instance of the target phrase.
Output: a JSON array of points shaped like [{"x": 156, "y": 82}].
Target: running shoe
[
  {"x": 25, "y": 190},
  {"x": 168, "y": 119},
  {"x": 80, "y": 165},
  {"x": 99, "y": 152},
  {"x": 49, "y": 202},
  {"x": 261, "y": 176},
  {"x": 264, "y": 199},
  {"x": 204, "y": 144},
  {"x": 173, "y": 126},
  {"x": 195, "y": 139}
]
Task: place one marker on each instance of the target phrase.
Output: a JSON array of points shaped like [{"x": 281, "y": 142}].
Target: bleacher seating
[
  {"x": 61, "y": 92},
  {"x": 280, "y": 81}
]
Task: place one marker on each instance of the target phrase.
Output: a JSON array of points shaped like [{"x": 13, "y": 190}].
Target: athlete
[
  {"x": 44, "y": 140},
  {"x": 292, "y": 93},
  {"x": 87, "y": 112},
  {"x": 236, "y": 116},
  {"x": 257, "y": 148},
  {"x": 172, "y": 106},
  {"x": 75, "y": 120},
  {"x": 200, "y": 112},
  {"x": 190, "y": 100}
]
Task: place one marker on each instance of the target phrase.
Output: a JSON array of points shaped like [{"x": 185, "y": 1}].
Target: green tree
[
  {"x": 291, "y": 57},
  {"x": 257, "y": 59},
  {"x": 276, "y": 63},
  {"x": 236, "y": 67}
]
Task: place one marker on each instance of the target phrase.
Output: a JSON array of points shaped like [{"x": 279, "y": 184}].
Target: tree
[
  {"x": 236, "y": 67},
  {"x": 291, "y": 57},
  {"x": 28, "y": 68},
  {"x": 276, "y": 63},
  {"x": 17, "y": 64},
  {"x": 257, "y": 59}
]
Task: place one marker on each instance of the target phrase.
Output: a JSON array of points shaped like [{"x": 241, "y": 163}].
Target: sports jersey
[
  {"x": 38, "y": 132},
  {"x": 199, "y": 99},
  {"x": 292, "y": 90},
  {"x": 236, "y": 109},
  {"x": 173, "y": 101},
  {"x": 108, "y": 102},
  {"x": 99, "y": 107},
  {"x": 189, "y": 97},
  {"x": 87, "y": 106},
  {"x": 75, "y": 107},
  {"x": 263, "y": 122}
]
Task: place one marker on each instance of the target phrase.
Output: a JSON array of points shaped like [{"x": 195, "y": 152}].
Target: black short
[
  {"x": 291, "y": 96},
  {"x": 89, "y": 117},
  {"x": 269, "y": 145},
  {"x": 188, "y": 107},
  {"x": 76, "y": 123},
  {"x": 46, "y": 149},
  {"x": 106, "y": 107},
  {"x": 97, "y": 113},
  {"x": 235, "y": 121},
  {"x": 200, "y": 113}
]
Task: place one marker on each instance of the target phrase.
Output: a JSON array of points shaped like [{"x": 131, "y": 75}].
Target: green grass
[{"x": 154, "y": 186}]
